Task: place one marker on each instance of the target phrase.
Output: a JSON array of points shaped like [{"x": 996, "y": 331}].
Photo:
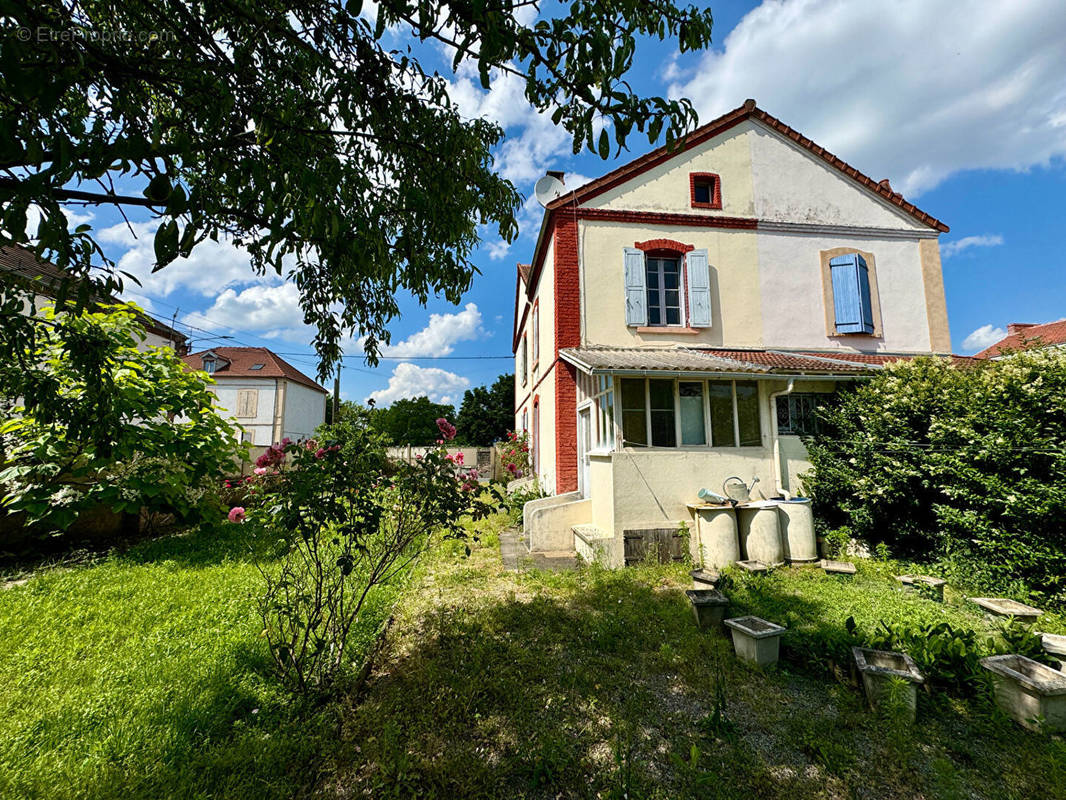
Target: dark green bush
[{"x": 963, "y": 464}]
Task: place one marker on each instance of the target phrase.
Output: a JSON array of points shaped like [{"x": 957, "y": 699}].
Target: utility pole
[{"x": 336, "y": 394}]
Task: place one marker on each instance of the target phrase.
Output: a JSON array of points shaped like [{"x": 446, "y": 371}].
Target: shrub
[
  {"x": 344, "y": 523},
  {"x": 93, "y": 420},
  {"x": 966, "y": 464}
]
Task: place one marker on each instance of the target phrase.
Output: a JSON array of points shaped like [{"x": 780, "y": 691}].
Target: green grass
[
  {"x": 143, "y": 675},
  {"x": 597, "y": 683}
]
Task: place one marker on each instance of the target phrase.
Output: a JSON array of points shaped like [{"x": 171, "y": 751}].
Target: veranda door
[{"x": 584, "y": 444}]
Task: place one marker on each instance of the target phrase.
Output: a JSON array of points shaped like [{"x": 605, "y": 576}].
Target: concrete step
[{"x": 592, "y": 543}]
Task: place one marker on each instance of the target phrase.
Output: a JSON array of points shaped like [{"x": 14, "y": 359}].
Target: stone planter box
[
  {"x": 1055, "y": 646},
  {"x": 838, "y": 567},
  {"x": 931, "y": 586},
  {"x": 756, "y": 640},
  {"x": 1033, "y": 694},
  {"x": 704, "y": 579},
  {"x": 879, "y": 667},
  {"x": 708, "y": 607},
  {"x": 1004, "y": 607},
  {"x": 752, "y": 566}
]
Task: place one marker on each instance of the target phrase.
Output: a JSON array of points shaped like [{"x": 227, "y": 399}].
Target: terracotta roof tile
[
  {"x": 1048, "y": 333},
  {"x": 240, "y": 361}
]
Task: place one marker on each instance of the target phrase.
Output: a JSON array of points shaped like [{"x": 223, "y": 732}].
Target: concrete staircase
[{"x": 593, "y": 544}]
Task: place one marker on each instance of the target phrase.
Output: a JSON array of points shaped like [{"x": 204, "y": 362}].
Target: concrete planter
[
  {"x": 708, "y": 607},
  {"x": 879, "y": 667},
  {"x": 838, "y": 567},
  {"x": 1033, "y": 694},
  {"x": 756, "y": 640},
  {"x": 752, "y": 566},
  {"x": 704, "y": 579},
  {"x": 1004, "y": 607},
  {"x": 933, "y": 587},
  {"x": 1055, "y": 646}
]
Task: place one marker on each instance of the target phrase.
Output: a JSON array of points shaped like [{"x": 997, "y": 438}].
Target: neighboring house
[
  {"x": 23, "y": 266},
  {"x": 268, "y": 396},
  {"x": 682, "y": 315},
  {"x": 1027, "y": 336}
]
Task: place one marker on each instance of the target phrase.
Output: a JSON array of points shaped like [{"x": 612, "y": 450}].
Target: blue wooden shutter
[
  {"x": 636, "y": 293},
  {"x": 851, "y": 294},
  {"x": 699, "y": 289}
]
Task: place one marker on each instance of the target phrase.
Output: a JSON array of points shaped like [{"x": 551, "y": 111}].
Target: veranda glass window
[
  {"x": 748, "y": 414},
  {"x": 634, "y": 412},
  {"x": 722, "y": 431},
  {"x": 693, "y": 427},
  {"x": 664, "y": 291},
  {"x": 663, "y": 422}
]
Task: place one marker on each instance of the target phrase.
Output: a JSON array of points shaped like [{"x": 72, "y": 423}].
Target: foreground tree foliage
[
  {"x": 91, "y": 420},
  {"x": 299, "y": 133},
  {"x": 966, "y": 464}
]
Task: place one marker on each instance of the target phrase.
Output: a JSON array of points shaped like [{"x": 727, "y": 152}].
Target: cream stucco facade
[{"x": 787, "y": 210}]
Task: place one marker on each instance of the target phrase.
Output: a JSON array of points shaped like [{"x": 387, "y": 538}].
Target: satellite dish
[{"x": 547, "y": 189}]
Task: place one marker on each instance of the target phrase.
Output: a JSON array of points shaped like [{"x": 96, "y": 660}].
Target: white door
[{"x": 584, "y": 444}]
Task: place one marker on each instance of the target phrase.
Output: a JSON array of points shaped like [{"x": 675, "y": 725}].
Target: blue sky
[{"x": 962, "y": 105}]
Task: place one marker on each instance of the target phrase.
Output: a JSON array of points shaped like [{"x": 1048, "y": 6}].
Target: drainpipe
[{"x": 777, "y": 441}]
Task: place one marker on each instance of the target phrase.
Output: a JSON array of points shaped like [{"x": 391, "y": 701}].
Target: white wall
[
  {"x": 793, "y": 306},
  {"x": 305, "y": 410},
  {"x": 261, "y": 426}
]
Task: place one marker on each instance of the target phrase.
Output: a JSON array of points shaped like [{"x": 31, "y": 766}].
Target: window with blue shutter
[
  {"x": 636, "y": 292},
  {"x": 851, "y": 294},
  {"x": 699, "y": 289}
]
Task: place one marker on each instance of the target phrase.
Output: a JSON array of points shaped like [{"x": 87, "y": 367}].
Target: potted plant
[
  {"x": 1033, "y": 694},
  {"x": 883, "y": 672},
  {"x": 708, "y": 607},
  {"x": 756, "y": 640}
]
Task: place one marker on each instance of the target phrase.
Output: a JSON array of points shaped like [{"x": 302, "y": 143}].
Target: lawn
[
  {"x": 595, "y": 683},
  {"x": 143, "y": 675}
]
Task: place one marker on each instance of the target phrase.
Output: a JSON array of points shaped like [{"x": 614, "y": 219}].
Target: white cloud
[
  {"x": 269, "y": 311},
  {"x": 965, "y": 243},
  {"x": 410, "y": 380},
  {"x": 439, "y": 337},
  {"x": 211, "y": 266},
  {"x": 914, "y": 90},
  {"x": 983, "y": 337}
]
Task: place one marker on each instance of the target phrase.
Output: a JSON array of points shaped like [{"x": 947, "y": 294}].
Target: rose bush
[{"x": 343, "y": 520}]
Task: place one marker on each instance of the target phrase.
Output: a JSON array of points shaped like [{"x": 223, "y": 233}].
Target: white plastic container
[{"x": 760, "y": 532}]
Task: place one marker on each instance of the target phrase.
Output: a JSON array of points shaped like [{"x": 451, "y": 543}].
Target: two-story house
[
  {"x": 682, "y": 314},
  {"x": 263, "y": 392}
]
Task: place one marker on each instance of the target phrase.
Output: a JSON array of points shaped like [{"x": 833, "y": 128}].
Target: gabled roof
[
  {"x": 237, "y": 362},
  {"x": 719, "y": 360},
  {"x": 1023, "y": 336},
  {"x": 723, "y": 123},
  {"x": 29, "y": 270}
]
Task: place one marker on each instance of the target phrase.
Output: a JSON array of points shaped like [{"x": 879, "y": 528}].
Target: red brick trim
[
  {"x": 716, "y": 189},
  {"x": 565, "y": 428},
  {"x": 661, "y": 218},
  {"x": 567, "y": 334},
  {"x": 670, "y": 245}
]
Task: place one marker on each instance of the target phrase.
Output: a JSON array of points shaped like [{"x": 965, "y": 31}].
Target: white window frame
[
  {"x": 681, "y": 291},
  {"x": 709, "y": 442}
]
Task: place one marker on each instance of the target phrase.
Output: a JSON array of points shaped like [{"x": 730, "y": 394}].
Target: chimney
[
  {"x": 1018, "y": 327},
  {"x": 884, "y": 184},
  {"x": 557, "y": 174}
]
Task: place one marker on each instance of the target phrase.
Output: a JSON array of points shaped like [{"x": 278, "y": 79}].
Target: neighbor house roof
[
  {"x": 1024, "y": 335},
  {"x": 708, "y": 360},
  {"x": 240, "y": 362},
  {"x": 44, "y": 277}
]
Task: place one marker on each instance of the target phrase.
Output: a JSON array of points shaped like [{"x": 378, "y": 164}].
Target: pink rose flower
[
  {"x": 447, "y": 430},
  {"x": 236, "y": 514},
  {"x": 260, "y": 471}
]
